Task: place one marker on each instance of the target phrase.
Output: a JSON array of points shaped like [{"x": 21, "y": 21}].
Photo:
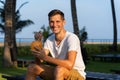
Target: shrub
[
  {"x": 93, "y": 49},
  {"x": 1, "y": 50},
  {"x": 24, "y": 50}
]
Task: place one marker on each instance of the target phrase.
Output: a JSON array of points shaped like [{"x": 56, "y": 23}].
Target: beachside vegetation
[
  {"x": 11, "y": 24},
  {"x": 25, "y": 53}
]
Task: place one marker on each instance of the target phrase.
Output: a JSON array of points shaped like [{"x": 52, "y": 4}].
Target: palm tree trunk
[
  {"x": 9, "y": 57},
  {"x": 114, "y": 46},
  {"x": 74, "y": 17},
  {"x": 14, "y": 48}
]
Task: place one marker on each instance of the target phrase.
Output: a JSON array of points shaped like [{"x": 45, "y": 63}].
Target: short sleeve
[
  {"x": 46, "y": 45},
  {"x": 73, "y": 43}
]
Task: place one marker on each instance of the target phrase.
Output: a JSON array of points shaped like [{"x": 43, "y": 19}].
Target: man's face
[{"x": 56, "y": 23}]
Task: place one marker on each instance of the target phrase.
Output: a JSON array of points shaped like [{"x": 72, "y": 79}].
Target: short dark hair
[{"x": 55, "y": 12}]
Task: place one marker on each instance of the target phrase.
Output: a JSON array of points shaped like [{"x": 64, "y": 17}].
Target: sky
[{"x": 95, "y": 15}]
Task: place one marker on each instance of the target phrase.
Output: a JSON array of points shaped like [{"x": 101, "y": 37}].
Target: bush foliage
[{"x": 91, "y": 49}]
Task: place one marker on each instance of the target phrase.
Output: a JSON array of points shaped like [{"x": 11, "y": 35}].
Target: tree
[
  {"x": 46, "y": 32},
  {"x": 9, "y": 30},
  {"x": 83, "y": 35},
  {"x": 19, "y": 24},
  {"x": 12, "y": 21},
  {"x": 74, "y": 17},
  {"x": 114, "y": 46}
]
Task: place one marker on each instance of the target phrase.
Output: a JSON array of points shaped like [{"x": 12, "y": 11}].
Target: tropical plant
[
  {"x": 83, "y": 35},
  {"x": 19, "y": 24},
  {"x": 46, "y": 32},
  {"x": 9, "y": 58},
  {"x": 114, "y": 46},
  {"x": 11, "y": 23},
  {"x": 74, "y": 17}
]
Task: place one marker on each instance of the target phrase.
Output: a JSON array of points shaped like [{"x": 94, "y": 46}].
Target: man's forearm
[{"x": 64, "y": 63}]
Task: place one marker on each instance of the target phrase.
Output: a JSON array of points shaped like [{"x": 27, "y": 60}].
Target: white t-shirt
[{"x": 70, "y": 42}]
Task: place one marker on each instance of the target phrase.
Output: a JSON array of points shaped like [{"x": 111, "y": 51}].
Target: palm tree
[
  {"x": 46, "y": 32},
  {"x": 114, "y": 46},
  {"x": 74, "y": 17},
  {"x": 82, "y": 34},
  {"x": 9, "y": 30},
  {"x": 13, "y": 24},
  {"x": 20, "y": 24}
]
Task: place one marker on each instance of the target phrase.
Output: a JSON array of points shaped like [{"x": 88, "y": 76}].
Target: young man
[{"x": 64, "y": 48}]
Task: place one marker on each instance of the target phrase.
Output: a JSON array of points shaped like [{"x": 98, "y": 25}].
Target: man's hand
[
  {"x": 37, "y": 48},
  {"x": 39, "y": 54}
]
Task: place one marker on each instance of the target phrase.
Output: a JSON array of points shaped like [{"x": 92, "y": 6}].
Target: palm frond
[
  {"x": 22, "y": 6},
  {"x": 2, "y": 2},
  {"x": 2, "y": 27},
  {"x": 22, "y": 24}
]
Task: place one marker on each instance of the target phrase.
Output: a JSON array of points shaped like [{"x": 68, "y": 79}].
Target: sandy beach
[
  {"x": 28, "y": 43},
  {"x": 18, "y": 44}
]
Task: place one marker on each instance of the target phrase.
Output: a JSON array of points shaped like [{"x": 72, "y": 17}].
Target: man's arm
[{"x": 67, "y": 63}]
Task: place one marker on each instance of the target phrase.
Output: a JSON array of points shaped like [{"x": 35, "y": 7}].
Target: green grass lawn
[
  {"x": 95, "y": 66},
  {"x": 98, "y": 66},
  {"x": 1, "y": 77},
  {"x": 13, "y": 71}
]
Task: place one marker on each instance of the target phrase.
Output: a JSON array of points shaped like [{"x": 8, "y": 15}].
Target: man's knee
[
  {"x": 31, "y": 68},
  {"x": 34, "y": 69}
]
